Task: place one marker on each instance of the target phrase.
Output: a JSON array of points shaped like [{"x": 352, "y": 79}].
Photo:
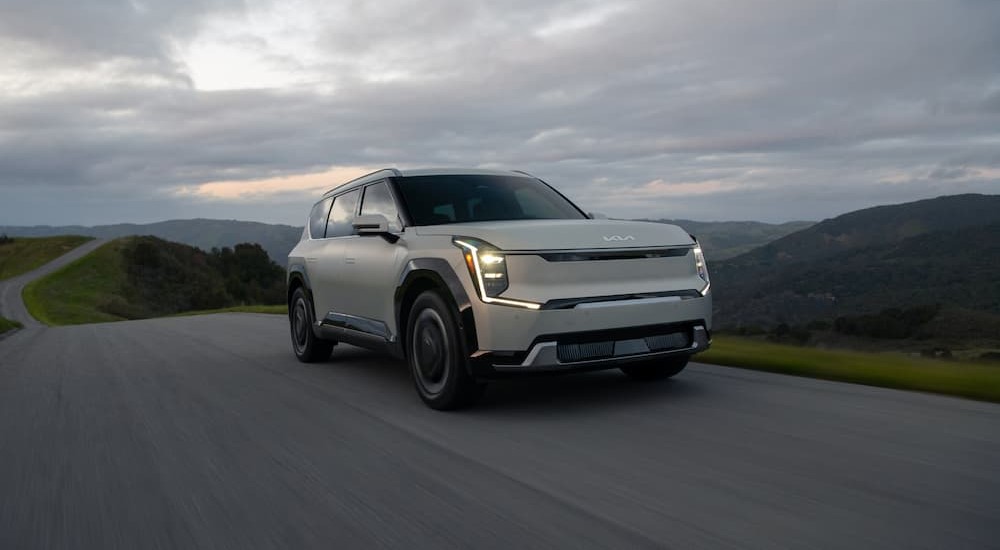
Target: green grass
[
  {"x": 276, "y": 310},
  {"x": 8, "y": 325},
  {"x": 889, "y": 370},
  {"x": 73, "y": 294},
  {"x": 25, "y": 254}
]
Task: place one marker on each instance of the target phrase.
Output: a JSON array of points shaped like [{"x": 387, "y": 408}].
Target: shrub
[
  {"x": 786, "y": 333},
  {"x": 164, "y": 277},
  {"x": 892, "y": 323}
]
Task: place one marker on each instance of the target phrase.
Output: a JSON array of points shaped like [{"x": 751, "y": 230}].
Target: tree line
[{"x": 163, "y": 277}]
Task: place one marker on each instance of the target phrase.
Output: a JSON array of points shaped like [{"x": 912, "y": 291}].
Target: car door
[
  {"x": 327, "y": 264},
  {"x": 372, "y": 266}
]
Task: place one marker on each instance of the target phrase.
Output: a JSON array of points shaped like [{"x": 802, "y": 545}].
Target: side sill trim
[{"x": 370, "y": 327}]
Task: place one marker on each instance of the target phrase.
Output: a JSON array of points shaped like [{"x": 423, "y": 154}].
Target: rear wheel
[
  {"x": 656, "y": 369},
  {"x": 437, "y": 357},
  {"x": 308, "y": 348}
]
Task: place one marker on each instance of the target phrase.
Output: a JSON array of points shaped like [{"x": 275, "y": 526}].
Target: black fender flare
[
  {"x": 298, "y": 271},
  {"x": 441, "y": 274}
]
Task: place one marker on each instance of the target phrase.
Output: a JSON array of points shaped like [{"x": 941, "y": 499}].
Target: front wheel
[
  {"x": 436, "y": 355},
  {"x": 656, "y": 369},
  {"x": 308, "y": 348}
]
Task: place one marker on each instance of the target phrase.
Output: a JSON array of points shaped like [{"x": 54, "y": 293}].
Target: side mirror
[
  {"x": 374, "y": 224},
  {"x": 597, "y": 216}
]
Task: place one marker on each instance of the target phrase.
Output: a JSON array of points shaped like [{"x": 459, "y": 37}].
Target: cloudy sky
[{"x": 144, "y": 110}]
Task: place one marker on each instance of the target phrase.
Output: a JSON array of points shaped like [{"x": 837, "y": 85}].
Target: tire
[
  {"x": 307, "y": 346},
  {"x": 658, "y": 369},
  {"x": 436, "y": 355}
]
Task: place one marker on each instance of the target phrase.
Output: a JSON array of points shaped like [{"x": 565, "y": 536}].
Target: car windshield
[{"x": 434, "y": 200}]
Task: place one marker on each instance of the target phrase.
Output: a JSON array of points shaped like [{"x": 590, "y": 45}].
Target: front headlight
[
  {"x": 702, "y": 267},
  {"x": 493, "y": 268},
  {"x": 488, "y": 268}
]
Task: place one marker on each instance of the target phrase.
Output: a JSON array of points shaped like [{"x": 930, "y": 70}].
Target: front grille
[
  {"x": 615, "y": 254},
  {"x": 591, "y": 351}
]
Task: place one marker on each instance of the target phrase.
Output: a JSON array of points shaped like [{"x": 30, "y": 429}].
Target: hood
[{"x": 565, "y": 234}]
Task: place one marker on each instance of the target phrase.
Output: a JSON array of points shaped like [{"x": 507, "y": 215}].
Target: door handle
[{"x": 350, "y": 260}]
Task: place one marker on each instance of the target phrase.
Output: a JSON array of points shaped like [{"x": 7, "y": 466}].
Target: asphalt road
[{"x": 205, "y": 432}]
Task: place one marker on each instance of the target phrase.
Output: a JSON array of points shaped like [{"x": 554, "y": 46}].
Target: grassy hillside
[
  {"x": 79, "y": 292},
  {"x": 142, "y": 277},
  {"x": 276, "y": 239},
  {"x": 8, "y": 325},
  {"x": 722, "y": 240},
  {"x": 21, "y": 255}
]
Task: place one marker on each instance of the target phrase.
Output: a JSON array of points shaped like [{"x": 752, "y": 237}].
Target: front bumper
[
  {"x": 501, "y": 327},
  {"x": 595, "y": 350}
]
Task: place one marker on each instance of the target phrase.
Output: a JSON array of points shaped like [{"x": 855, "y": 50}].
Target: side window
[
  {"x": 378, "y": 200},
  {"x": 342, "y": 215},
  {"x": 317, "y": 218}
]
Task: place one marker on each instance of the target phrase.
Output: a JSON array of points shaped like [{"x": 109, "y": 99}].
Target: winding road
[
  {"x": 11, "y": 305},
  {"x": 205, "y": 432}
]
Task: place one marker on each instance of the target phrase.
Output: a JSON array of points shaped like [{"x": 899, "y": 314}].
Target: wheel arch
[
  {"x": 298, "y": 278},
  {"x": 436, "y": 274}
]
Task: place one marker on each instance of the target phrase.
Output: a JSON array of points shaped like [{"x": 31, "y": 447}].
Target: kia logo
[{"x": 611, "y": 238}]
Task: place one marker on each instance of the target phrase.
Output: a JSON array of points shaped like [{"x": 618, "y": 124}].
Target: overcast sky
[{"x": 144, "y": 110}]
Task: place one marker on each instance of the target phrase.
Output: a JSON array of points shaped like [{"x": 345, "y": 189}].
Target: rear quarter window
[{"x": 317, "y": 218}]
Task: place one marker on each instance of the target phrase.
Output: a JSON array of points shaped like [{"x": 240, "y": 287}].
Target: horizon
[
  {"x": 623, "y": 218},
  {"x": 225, "y": 109}
]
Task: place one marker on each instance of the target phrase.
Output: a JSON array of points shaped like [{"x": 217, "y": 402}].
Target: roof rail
[
  {"x": 395, "y": 172},
  {"x": 523, "y": 172},
  {"x": 371, "y": 176}
]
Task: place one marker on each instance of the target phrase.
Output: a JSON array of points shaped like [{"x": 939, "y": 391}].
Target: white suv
[{"x": 478, "y": 274}]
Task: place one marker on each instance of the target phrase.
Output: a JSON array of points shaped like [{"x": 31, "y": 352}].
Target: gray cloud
[
  {"x": 69, "y": 31},
  {"x": 767, "y": 110}
]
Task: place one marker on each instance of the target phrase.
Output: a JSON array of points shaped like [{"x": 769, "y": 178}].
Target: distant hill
[
  {"x": 722, "y": 240},
  {"x": 938, "y": 251},
  {"x": 876, "y": 226},
  {"x": 206, "y": 234}
]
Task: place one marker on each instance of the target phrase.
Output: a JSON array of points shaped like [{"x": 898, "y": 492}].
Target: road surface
[{"x": 205, "y": 432}]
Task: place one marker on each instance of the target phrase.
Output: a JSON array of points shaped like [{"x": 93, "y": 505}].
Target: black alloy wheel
[
  {"x": 436, "y": 356},
  {"x": 307, "y": 347}
]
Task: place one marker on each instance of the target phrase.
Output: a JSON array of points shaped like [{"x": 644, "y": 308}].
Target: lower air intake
[
  {"x": 591, "y": 351},
  {"x": 570, "y": 353},
  {"x": 671, "y": 341}
]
